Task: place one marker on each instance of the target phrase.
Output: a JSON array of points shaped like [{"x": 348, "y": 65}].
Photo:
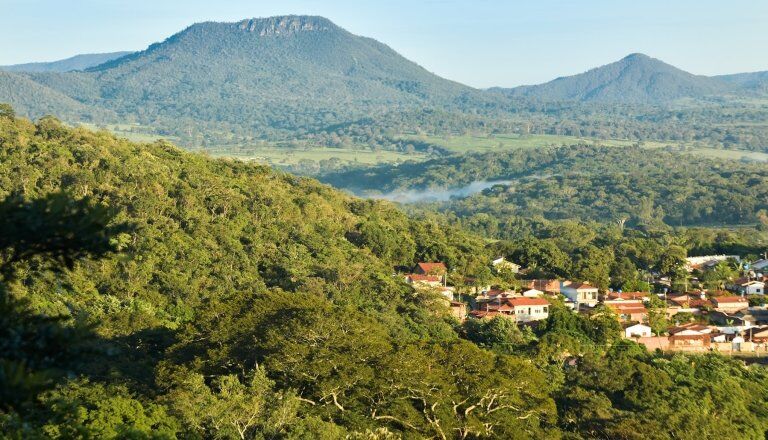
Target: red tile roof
[
  {"x": 628, "y": 295},
  {"x": 628, "y": 308},
  {"x": 432, "y": 267},
  {"x": 524, "y": 301},
  {"x": 581, "y": 286},
  {"x": 729, "y": 299},
  {"x": 544, "y": 285}
]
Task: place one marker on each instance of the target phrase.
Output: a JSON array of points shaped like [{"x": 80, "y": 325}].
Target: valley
[{"x": 275, "y": 228}]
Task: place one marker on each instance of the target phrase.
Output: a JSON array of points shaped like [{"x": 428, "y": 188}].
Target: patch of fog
[{"x": 437, "y": 195}]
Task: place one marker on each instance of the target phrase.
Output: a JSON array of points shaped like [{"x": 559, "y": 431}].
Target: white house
[
  {"x": 752, "y": 288},
  {"x": 637, "y": 330},
  {"x": 502, "y": 264},
  {"x": 580, "y": 293},
  {"x": 533, "y": 293},
  {"x": 529, "y": 309}
]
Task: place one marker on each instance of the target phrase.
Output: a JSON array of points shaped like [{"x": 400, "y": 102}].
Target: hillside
[
  {"x": 635, "y": 79},
  {"x": 31, "y": 98},
  {"x": 151, "y": 293},
  {"x": 77, "y": 62}
]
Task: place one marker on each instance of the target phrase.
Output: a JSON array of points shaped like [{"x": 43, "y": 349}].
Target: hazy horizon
[{"x": 481, "y": 44}]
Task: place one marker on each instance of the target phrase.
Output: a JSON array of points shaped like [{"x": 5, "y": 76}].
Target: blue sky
[{"x": 482, "y": 43}]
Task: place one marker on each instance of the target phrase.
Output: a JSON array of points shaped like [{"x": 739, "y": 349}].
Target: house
[
  {"x": 637, "y": 331},
  {"x": 737, "y": 320},
  {"x": 580, "y": 293},
  {"x": 707, "y": 261},
  {"x": 757, "y": 334},
  {"x": 518, "y": 308},
  {"x": 503, "y": 265},
  {"x": 730, "y": 304},
  {"x": 533, "y": 293},
  {"x": 430, "y": 269},
  {"x": 644, "y": 296},
  {"x": 690, "y": 338},
  {"x": 458, "y": 310},
  {"x": 691, "y": 301},
  {"x": 629, "y": 311},
  {"x": 494, "y": 294},
  {"x": 685, "y": 342},
  {"x": 751, "y": 288},
  {"x": 548, "y": 286},
  {"x": 529, "y": 309}
]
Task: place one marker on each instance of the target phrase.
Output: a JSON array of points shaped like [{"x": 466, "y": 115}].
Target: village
[{"x": 731, "y": 320}]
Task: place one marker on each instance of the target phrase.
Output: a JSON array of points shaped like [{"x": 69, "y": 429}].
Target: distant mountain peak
[
  {"x": 286, "y": 25},
  {"x": 637, "y": 56},
  {"x": 637, "y": 78}
]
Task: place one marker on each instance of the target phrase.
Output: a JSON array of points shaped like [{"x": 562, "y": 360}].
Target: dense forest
[
  {"x": 151, "y": 293},
  {"x": 603, "y": 184}
]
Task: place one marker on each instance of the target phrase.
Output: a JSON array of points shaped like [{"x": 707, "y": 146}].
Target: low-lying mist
[{"x": 437, "y": 195}]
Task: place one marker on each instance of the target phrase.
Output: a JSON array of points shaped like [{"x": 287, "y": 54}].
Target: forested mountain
[
  {"x": 30, "y": 97},
  {"x": 303, "y": 78},
  {"x": 77, "y": 62},
  {"x": 273, "y": 74},
  {"x": 635, "y": 79}
]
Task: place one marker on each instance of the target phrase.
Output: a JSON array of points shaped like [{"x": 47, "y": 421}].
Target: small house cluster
[{"x": 698, "y": 320}]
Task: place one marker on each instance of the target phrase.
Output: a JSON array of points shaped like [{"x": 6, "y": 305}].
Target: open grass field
[
  {"x": 468, "y": 144},
  {"x": 275, "y": 155},
  {"x": 281, "y": 156}
]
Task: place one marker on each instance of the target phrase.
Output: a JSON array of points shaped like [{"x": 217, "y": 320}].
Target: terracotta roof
[
  {"x": 581, "y": 286},
  {"x": 432, "y": 267},
  {"x": 499, "y": 292},
  {"x": 544, "y": 285},
  {"x": 730, "y": 299},
  {"x": 628, "y": 295},
  {"x": 524, "y": 301},
  {"x": 628, "y": 308}
]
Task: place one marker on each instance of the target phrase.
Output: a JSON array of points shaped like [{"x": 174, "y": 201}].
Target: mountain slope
[
  {"x": 637, "y": 79},
  {"x": 756, "y": 81},
  {"x": 34, "y": 99},
  {"x": 77, "y": 62},
  {"x": 279, "y": 73}
]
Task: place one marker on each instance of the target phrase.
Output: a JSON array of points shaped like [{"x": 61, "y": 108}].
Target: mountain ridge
[
  {"x": 637, "y": 78},
  {"x": 73, "y": 63},
  {"x": 287, "y": 77}
]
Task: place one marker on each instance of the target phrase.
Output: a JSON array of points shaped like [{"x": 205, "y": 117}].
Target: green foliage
[
  {"x": 245, "y": 303},
  {"x": 589, "y": 183}
]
